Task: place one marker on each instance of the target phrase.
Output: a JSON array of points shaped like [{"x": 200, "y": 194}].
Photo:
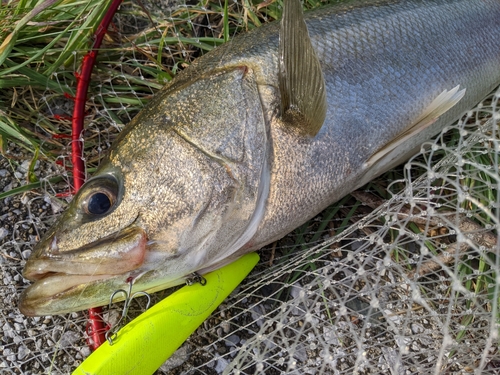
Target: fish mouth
[
  {"x": 111, "y": 255},
  {"x": 70, "y": 281}
]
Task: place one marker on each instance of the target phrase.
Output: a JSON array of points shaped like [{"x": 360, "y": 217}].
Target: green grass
[{"x": 40, "y": 42}]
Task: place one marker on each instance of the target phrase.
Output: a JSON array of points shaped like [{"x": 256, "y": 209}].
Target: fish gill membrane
[{"x": 319, "y": 308}]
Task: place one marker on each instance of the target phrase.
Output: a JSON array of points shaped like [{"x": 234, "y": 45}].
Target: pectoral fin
[
  {"x": 440, "y": 105},
  {"x": 301, "y": 82}
]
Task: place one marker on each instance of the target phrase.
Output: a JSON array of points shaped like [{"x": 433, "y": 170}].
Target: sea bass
[{"x": 258, "y": 136}]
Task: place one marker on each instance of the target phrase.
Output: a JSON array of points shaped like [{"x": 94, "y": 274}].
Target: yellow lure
[{"x": 145, "y": 343}]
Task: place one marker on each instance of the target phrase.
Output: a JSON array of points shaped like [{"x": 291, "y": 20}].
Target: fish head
[{"x": 182, "y": 190}]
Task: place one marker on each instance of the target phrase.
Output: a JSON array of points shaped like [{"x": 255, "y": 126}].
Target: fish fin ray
[
  {"x": 301, "y": 83},
  {"x": 443, "y": 102}
]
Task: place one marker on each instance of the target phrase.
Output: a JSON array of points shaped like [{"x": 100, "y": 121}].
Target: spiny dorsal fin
[
  {"x": 442, "y": 103},
  {"x": 301, "y": 83}
]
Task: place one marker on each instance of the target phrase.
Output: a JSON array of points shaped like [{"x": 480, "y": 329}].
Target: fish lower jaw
[{"x": 51, "y": 288}]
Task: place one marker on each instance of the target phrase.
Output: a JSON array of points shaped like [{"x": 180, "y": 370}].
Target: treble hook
[{"x": 113, "y": 331}]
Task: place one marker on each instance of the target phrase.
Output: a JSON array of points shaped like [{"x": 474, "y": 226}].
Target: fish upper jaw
[{"x": 115, "y": 254}]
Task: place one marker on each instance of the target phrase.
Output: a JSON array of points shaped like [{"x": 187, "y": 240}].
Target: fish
[{"x": 260, "y": 135}]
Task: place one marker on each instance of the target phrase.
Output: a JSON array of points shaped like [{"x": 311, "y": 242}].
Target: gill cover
[{"x": 221, "y": 115}]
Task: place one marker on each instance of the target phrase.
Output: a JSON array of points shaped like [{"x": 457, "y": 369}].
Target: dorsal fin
[{"x": 301, "y": 82}]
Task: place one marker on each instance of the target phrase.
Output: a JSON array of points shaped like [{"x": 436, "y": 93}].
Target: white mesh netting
[{"x": 398, "y": 278}]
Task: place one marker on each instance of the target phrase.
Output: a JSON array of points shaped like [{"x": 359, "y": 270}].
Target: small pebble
[{"x": 3, "y": 233}]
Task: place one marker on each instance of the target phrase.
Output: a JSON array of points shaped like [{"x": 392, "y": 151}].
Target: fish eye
[
  {"x": 99, "y": 203},
  {"x": 99, "y": 196}
]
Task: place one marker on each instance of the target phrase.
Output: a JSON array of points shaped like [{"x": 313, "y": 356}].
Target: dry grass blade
[{"x": 9, "y": 41}]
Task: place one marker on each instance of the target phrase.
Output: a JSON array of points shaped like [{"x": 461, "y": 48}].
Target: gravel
[{"x": 29, "y": 345}]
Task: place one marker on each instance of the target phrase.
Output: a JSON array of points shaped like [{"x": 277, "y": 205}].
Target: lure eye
[{"x": 99, "y": 203}]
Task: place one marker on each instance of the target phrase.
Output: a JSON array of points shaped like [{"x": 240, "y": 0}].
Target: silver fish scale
[
  {"x": 384, "y": 63},
  {"x": 382, "y": 66}
]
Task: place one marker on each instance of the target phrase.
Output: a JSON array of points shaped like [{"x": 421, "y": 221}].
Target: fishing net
[{"x": 400, "y": 277}]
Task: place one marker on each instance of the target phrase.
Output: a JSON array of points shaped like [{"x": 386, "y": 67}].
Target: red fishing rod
[{"x": 96, "y": 327}]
